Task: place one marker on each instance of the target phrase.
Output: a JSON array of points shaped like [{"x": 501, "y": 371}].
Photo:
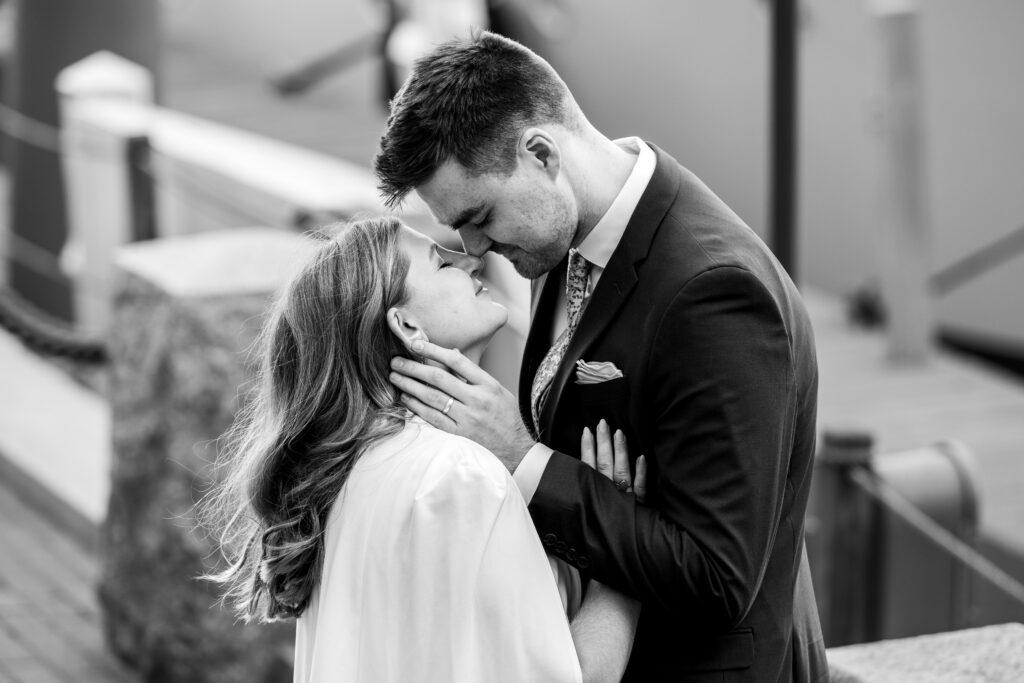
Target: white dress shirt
[
  {"x": 433, "y": 572},
  {"x": 597, "y": 247}
]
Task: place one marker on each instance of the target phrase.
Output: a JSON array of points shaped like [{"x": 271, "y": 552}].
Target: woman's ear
[
  {"x": 536, "y": 146},
  {"x": 405, "y": 327}
]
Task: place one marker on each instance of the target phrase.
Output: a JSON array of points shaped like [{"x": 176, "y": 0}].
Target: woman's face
[{"x": 447, "y": 304}]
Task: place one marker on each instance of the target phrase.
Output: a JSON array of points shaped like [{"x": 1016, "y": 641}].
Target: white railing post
[{"x": 105, "y": 101}]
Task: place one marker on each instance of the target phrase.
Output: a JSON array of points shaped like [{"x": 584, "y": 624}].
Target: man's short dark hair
[{"x": 468, "y": 100}]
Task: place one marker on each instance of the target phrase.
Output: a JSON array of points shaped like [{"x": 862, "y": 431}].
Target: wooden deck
[
  {"x": 50, "y": 628},
  {"x": 908, "y": 406}
]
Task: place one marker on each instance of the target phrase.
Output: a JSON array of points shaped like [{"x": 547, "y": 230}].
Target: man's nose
[
  {"x": 474, "y": 241},
  {"x": 470, "y": 263}
]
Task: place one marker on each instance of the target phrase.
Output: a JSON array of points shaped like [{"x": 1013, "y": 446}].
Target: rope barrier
[
  {"x": 37, "y": 133},
  {"x": 896, "y": 503},
  {"x": 40, "y": 261},
  {"x": 45, "y": 334}
]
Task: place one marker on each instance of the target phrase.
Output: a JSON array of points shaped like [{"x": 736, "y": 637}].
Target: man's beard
[{"x": 530, "y": 266}]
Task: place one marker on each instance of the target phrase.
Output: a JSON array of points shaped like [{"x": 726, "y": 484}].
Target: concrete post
[
  {"x": 906, "y": 243},
  {"x": 186, "y": 310},
  {"x": 105, "y": 104},
  {"x": 842, "y": 550}
]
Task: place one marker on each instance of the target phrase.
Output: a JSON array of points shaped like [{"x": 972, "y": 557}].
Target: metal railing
[
  {"x": 897, "y": 504},
  {"x": 978, "y": 262},
  {"x": 883, "y": 566}
]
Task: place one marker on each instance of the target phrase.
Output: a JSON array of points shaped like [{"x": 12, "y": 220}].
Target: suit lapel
[{"x": 619, "y": 277}]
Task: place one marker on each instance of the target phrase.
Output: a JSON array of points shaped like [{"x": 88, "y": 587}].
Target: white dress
[{"x": 433, "y": 572}]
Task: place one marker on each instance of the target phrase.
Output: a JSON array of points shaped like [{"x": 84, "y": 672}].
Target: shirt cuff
[{"x": 531, "y": 467}]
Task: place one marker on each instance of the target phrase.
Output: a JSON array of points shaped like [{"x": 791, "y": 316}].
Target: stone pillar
[{"x": 186, "y": 310}]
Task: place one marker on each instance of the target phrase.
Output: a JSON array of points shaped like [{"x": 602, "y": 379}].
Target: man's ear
[
  {"x": 536, "y": 146},
  {"x": 405, "y": 327}
]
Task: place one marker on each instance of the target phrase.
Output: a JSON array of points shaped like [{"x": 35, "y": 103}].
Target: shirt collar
[{"x": 598, "y": 246}]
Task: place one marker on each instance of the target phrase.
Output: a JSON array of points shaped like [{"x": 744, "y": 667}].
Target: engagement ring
[{"x": 448, "y": 405}]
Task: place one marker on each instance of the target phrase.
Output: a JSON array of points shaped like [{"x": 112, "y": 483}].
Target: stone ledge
[
  {"x": 232, "y": 262},
  {"x": 989, "y": 654}
]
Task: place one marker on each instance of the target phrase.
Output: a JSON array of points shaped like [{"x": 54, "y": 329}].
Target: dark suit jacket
[{"x": 719, "y": 392}]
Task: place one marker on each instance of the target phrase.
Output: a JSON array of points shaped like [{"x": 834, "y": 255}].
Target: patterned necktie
[{"x": 575, "y": 286}]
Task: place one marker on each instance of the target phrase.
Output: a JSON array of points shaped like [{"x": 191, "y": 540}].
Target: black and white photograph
[{"x": 511, "y": 341}]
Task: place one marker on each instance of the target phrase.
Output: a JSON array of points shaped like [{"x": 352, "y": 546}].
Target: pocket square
[{"x": 595, "y": 373}]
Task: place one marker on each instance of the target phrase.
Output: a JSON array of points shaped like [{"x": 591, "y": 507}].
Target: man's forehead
[{"x": 451, "y": 194}]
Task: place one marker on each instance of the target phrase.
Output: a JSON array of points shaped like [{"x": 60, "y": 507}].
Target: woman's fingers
[
  {"x": 587, "y": 448},
  {"x": 620, "y": 471},
  {"x": 608, "y": 453},
  {"x": 605, "y": 450},
  {"x": 640, "y": 482}
]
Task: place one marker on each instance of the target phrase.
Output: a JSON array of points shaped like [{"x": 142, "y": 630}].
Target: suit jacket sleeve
[{"x": 720, "y": 392}]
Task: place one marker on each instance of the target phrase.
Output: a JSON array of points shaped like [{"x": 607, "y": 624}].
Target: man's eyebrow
[{"x": 464, "y": 216}]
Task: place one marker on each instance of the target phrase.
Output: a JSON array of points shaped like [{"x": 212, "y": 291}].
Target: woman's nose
[{"x": 471, "y": 264}]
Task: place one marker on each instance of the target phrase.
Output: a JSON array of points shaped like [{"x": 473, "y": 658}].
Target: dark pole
[{"x": 782, "y": 191}]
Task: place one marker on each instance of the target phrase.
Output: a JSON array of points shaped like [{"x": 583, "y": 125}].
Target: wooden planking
[
  {"x": 907, "y": 406},
  {"x": 50, "y": 623}
]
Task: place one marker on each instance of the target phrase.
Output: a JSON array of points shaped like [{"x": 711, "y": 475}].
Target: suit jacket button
[
  {"x": 549, "y": 539},
  {"x": 582, "y": 562},
  {"x": 560, "y": 547},
  {"x": 571, "y": 555}
]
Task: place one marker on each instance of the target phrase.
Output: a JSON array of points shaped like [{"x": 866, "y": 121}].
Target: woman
[{"x": 405, "y": 553}]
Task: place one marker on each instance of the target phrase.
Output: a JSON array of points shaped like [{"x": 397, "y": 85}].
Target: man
[{"x": 655, "y": 309}]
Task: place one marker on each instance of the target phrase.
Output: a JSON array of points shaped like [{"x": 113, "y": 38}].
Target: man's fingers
[
  {"x": 605, "y": 454},
  {"x": 425, "y": 394},
  {"x": 587, "y": 448},
  {"x": 453, "y": 360},
  {"x": 429, "y": 376},
  {"x": 430, "y": 415},
  {"x": 640, "y": 482}
]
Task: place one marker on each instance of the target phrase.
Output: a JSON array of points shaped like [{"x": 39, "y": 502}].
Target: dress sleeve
[{"x": 486, "y": 606}]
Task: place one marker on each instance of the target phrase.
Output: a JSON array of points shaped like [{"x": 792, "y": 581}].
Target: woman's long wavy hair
[{"x": 322, "y": 397}]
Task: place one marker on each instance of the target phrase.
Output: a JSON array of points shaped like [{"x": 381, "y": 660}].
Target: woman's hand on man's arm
[{"x": 603, "y": 628}]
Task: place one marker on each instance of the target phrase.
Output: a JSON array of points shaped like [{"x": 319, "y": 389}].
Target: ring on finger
[
  {"x": 622, "y": 485},
  {"x": 448, "y": 405}
]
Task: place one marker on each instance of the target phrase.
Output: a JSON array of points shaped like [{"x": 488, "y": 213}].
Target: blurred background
[{"x": 160, "y": 160}]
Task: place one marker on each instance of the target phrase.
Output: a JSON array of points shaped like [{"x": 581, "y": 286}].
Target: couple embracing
[{"x": 423, "y": 524}]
